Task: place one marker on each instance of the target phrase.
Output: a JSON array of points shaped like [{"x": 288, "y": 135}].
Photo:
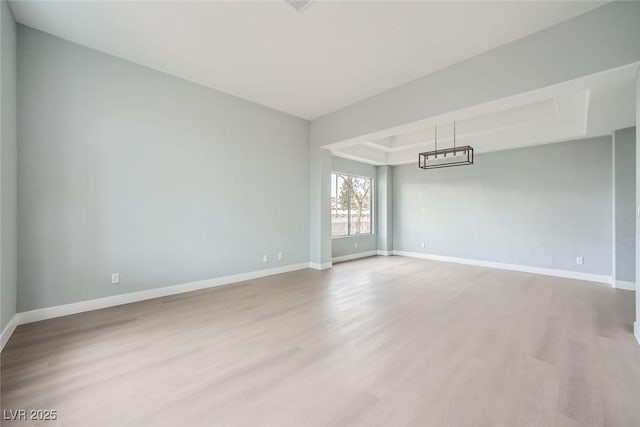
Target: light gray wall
[
  {"x": 352, "y": 167},
  {"x": 8, "y": 149},
  {"x": 127, "y": 170},
  {"x": 342, "y": 246},
  {"x": 540, "y": 206},
  {"x": 320, "y": 208},
  {"x": 625, "y": 197},
  {"x": 599, "y": 40}
]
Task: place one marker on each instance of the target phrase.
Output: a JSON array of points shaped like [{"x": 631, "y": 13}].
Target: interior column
[
  {"x": 320, "y": 208},
  {"x": 384, "y": 205}
]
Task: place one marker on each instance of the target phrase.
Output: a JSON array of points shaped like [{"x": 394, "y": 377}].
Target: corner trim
[
  {"x": 354, "y": 256},
  {"x": 623, "y": 284},
  {"x": 636, "y": 331},
  {"x": 323, "y": 266},
  {"x": 110, "y": 301},
  {"x": 384, "y": 253},
  {"x": 512, "y": 267},
  {"x": 8, "y": 331}
]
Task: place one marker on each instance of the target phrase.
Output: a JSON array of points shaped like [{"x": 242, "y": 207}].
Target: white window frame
[{"x": 372, "y": 228}]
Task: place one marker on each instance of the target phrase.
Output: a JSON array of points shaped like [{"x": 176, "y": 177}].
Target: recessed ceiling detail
[{"x": 591, "y": 106}]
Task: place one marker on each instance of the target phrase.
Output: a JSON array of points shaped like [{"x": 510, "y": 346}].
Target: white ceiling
[
  {"x": 590, "y": 106},
  {"x": 308, "y": 64}
]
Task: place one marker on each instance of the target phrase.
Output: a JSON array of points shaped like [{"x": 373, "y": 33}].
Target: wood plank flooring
[{"x": 383, "y": 341}]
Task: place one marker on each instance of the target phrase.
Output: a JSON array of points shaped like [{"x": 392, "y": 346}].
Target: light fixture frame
[
  {"x": 466, "y": 150},
  {"x": 423, "y": 157}
]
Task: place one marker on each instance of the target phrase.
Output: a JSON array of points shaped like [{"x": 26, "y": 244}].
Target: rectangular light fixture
[{"x": 446, "y": 157}]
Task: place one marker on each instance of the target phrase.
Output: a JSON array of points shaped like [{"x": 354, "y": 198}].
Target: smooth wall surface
[
  {"x": 8, "y": 150},
  {"x": 127, "y": 170},
  {"x": 343, "y": 246},
  {"x": 599, "y": 40},
  {"x": 384, "y": 221},
  {"x": 540, "y": 206},
  {"x": 319, "y": 209},
  {"x": 625, "y": 196}
]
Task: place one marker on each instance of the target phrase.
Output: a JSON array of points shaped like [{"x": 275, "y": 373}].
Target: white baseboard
[
  {"x": 323, "y": 266},
  {"x": 8, "y": 331},
  {"x": 622, "y": 284},
  {"x": 512, "y": 267},
  {"x": 354, "y": 256},
  {"x": 95, "y": 304}
]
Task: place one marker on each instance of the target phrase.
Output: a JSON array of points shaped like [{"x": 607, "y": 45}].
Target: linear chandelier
[{"x": 446, "y": 157}]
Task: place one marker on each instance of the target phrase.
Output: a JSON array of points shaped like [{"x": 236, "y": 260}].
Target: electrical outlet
[
  {"x": 265, "y": 258},
  {"x": 280, "y": 255},
  {"x": 115, "y": 278},
  {"x": 579, "y": 260},
  {"x": 355, "y": 245},
  {"x": 422, "y": 245}
]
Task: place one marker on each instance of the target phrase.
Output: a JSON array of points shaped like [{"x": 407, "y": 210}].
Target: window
[{"x": 351, "y": 205}]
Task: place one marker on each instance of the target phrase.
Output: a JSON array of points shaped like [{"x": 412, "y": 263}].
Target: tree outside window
[{"x": 351, "y": 205}]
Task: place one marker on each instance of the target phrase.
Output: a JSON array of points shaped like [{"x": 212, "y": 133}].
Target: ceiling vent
[{"x": 299, "y": 5}]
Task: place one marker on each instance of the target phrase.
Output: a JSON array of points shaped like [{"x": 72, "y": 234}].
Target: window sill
[{"x": 353, "y": 235}]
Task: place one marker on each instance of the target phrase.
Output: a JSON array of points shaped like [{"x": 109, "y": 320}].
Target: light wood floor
[{"x": 382, "y": 341}]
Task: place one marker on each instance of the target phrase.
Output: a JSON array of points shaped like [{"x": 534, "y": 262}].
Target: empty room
[{"x": 319, "y": 213}]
